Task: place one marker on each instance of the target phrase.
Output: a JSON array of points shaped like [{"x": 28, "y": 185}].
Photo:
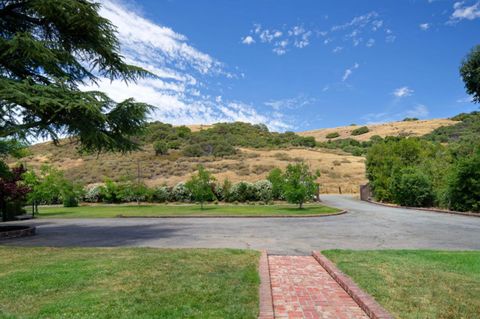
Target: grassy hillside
[
  {"x": 401, "y": 128},
  {"x": 254, "y": 153},
  {"x": 248, "y": 164}
]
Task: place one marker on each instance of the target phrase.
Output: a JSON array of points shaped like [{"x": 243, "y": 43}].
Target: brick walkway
[{"x": 301, "y": 288}]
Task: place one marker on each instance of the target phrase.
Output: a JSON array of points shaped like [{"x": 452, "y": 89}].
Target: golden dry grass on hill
[
  {"x": 406, "y": 128},
  {"x": 337, "y": 169}
]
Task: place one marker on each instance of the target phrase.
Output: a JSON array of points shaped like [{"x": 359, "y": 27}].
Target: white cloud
[
  {"x": 177, "y": 93},
  {"x": 290, "y": 103},
  {"x": 337, "y": 49},
  {"x": 370, "y": 43},
  {"x": 467, "y": 99},
  {"x": 248, "y": 40},
  {"x": 402, "y": 92},
  {"x": 348, "y": 72},
  {"x": 424, "y": 26},
  {"x": 419, "y": 111},
  {"x": 461, "y": 11}
]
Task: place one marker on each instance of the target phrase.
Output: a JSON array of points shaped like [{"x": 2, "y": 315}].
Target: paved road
[{"x": 366, "y": 226}]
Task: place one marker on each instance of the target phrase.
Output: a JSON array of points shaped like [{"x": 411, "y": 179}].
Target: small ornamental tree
[
  {"x": 276, "y": 178},
  {"x": 299, "y": 183},
  {"x": 12, "y": 189},
  {"x": 200, "y": 185}
]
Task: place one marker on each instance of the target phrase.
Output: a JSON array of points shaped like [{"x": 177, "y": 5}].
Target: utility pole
[{"x": 138, "y": 180}]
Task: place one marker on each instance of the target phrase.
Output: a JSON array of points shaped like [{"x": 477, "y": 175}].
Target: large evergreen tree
[
  {"x": 47, "y": 49},
  {"x": 470, "y": 72}
]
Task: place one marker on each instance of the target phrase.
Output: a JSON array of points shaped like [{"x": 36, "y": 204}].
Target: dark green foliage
[
  {"x": 467, "y": 129},
  {"x": 417, "y": 172},
  {"x": 412, "y": 187},
  {"x": 70, "y": 201},
  {"x": 160, "y": 147},
  {"x": 47, "y": 49},
  {"x": 276, "y": 178},
  {"x": 463, "y": 192},
  {"x": 222, "y": 138},
  {"x": 470, "y": 72},
  {"x": 332, "y": 135},
  {"x": 200, "y": 186},
  {"x": 299, "y": 184},
  {"x": 410, "y": 119},
  {"x": 242, "y": 192},
  {"x": 360, "y": 131},
  {"x": 386, "y": 160},
  {"x": 350, "y": 145}
]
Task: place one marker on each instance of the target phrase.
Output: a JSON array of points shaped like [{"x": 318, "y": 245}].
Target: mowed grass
[
  {"x": 128, "y": 283},
  {"x": 181, "y": 210},
  {"x": 417, "y": 284}
]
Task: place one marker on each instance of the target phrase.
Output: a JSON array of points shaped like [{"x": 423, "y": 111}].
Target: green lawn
[
  {"x": 182, "y": 210},
  {"x": 128, "y": 283},
  {"x": 417, "y": 284}
]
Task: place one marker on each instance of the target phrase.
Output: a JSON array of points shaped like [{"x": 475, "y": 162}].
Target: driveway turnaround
[{"x": 366, "y": 226}]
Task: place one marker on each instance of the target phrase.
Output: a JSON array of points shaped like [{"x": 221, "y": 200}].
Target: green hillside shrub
[
  {"x": 359, "y": 131},
  {"x": 332, "y": 135}
]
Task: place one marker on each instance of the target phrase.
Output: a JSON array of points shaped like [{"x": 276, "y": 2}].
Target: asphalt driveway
[{"x": 366, "y": 226}]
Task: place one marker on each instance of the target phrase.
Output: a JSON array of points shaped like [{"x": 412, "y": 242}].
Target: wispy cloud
[
  {"x": 403, "y": 91},
  {"x": 466, "y": 99},
  {"x": 419, "y": 111},
  {"x": 424, "y": 26},
  {"x": 180, "y": 93},
  {"x": 362, "y": 30},
  {"x": 348, "y": 72},
  {"x": 280, "y": 40},
  {"x": 462, "y": 11},
  {"x": 290, "y": 103},
  {"x": 248, "y": 40}
]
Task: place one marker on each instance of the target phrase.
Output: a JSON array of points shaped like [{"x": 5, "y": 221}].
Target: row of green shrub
[
  {"x": 417, "y": 172},
  {"x": 297, "y": 185}
]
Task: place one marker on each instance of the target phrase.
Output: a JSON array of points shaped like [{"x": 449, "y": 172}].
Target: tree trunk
[
  {"x": 3, "y": 210},
  {"x": 301, "y": 205}
]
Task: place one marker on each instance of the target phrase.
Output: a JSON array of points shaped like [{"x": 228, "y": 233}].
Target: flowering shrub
[
  {"x": 264, "y": 190},
  {"x": 242, "y": 192},
  {"x": 181, "y": 193},
  {"x": 92, "y": 194},
  {"x": 161, "y": 194}
]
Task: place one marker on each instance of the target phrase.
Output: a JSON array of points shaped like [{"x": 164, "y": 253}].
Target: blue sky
[{"x": 296, "y": 65}]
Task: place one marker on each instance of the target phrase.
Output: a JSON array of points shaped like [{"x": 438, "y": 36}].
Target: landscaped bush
[
  {"x": 181, "y": 193},
  {"x": 275, "y": 177},
  {"x": 360, "y": 131},
  {"x": 109, "y": 192},
  {"x": 263, "y": 190},
  {"x": 133, "y": 192},
  {"x": 417, "y": 172},
  {"x": 332, "y": 135},
  {"x": 93, "y": 194},
  {"x": 242, "y": 192},
  {"x": 161, "y": 194},
  {"x": 463, "y": 190},
  {"x": 412, "y": 187}
]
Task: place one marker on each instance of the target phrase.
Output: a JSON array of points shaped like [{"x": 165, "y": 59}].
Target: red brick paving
[{"x": 301, "y": 288}]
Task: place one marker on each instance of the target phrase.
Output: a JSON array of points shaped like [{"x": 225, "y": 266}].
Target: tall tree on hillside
[
  {"x": 470, "y": 72},
  {"x": 47, "y": 49}
]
